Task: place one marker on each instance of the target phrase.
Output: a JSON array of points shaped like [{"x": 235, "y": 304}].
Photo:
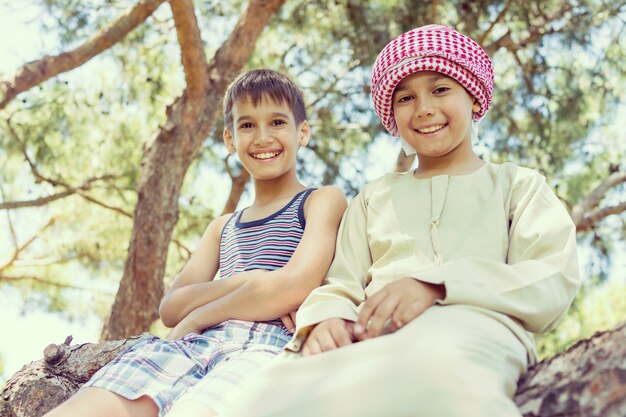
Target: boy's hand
[
  {"x": 289, "y": 321},
  {"x": 396, "y": 305},
  {"x": 182, "y": 329},
  {"x": 328, "y": 335}
]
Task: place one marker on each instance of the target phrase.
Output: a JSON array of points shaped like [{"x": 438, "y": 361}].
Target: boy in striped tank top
[{"x": 268, "y": 257}]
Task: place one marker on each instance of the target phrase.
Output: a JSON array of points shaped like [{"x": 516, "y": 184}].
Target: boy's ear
[
  {"x": 475, "y": 106},
  {"x": 228, "y": 141},
  {"x": 305, "y": 133}
]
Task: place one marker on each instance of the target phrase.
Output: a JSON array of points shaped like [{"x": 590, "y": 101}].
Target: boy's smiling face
[
  {"x": 434, "y": 113},
  {"x": 266, "y": 137}
]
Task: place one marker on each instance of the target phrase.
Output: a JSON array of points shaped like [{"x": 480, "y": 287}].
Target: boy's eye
[
  {"x": 278, "y": 122},
  {"x": 246, "y": 125},
  {"x": 441, "y": 90},
  {"x": 403, "y": 99}
]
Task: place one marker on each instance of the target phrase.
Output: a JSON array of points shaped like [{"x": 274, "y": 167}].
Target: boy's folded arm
[
  {"x": 177, "y": 304},
  {"x": 541, "y": 278},
  {"x": 194, "y": 286},
  {"x": 270, "y": 295}
]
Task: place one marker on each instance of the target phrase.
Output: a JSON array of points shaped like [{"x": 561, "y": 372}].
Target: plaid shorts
[{"x": 222, "y": 357}]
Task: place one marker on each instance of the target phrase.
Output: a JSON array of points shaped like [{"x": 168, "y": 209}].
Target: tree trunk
[
  {"x": 238, "y": 186},
  {"x": 589, "y": 380},
  {"x": 168, "y": 157},
  {"x": 42, "y": 385}
]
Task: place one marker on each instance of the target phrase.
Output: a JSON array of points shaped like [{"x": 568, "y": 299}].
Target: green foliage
[
  {"x": 595, "y": 309},
  {"x": 543, "y": 120},
  {"x": 81, "y": 126},
  {"x": 74, "y": 20}
]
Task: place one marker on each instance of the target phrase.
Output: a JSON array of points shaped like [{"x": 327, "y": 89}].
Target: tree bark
[
  {"x": 168, "y": 157},
  {"x": 42, "y": 385},
  {"x": 588, "y": 380}
]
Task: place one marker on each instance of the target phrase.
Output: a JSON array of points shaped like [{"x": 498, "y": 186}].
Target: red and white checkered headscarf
[{"x": 431, "y": 48}]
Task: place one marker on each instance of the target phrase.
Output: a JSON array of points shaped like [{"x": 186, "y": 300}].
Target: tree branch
[
  {"x": 33, "y": 168},
  {"x": 229, "y": 57},
  {"x": 594, "y": 198},
  {"x": 69, "y": 189},
  {"x": 333, "y": 83},
  {"x": 12, "y": 280},
  {"x": 497, "y": 20},
  {"x": 433, "y": 15},
  {"x": 192, "y": 49},
  {"x": 182, "y": 247},
  {"x": 36, "y": 72},
  {"x": 38, "y": 202},
  {"x": 101, "y": 204},
  {"x": 587, "y": 222},
  {"x": 238, "y": 186},
  {"x": 525, "y": 72},
  {"x": 13, "y": 235},
  {"x": 21, "y": 248},
  {"x": 536, "y": 32}
]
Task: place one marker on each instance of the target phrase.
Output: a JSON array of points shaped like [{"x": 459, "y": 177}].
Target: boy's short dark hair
[{"x": 255, "y": 84}]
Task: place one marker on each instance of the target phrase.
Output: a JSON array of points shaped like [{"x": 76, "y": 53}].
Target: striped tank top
[{"x": 265, "y": 244}]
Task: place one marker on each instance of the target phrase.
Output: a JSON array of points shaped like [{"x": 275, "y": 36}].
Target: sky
[{"x": 19, "y": 38}]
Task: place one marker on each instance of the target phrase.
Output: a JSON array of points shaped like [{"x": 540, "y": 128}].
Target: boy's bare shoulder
[
  {"x": 326, "y": 198},
  {"x": 329, "y": 193},
  {"x": 218, "y": 223},
  {"x": 222, "y": 219}
]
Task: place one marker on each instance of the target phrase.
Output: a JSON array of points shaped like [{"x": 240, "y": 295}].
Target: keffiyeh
[{"x": 431, "y": 48}]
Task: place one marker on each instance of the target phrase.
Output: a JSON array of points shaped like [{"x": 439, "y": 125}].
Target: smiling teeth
[
  {"x": 430, "y": 129},
  {"x": 265, "y": 155}
]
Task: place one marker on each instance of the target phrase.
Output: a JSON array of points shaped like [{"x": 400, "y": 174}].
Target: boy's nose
[
  {"x": 424, "y": 108},
  {"x": 264, "y": 137}
]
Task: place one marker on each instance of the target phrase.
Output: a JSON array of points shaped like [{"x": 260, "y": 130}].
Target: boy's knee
[
  {"x": 64, "y": 409},
  {"x": 433, "y": 365},
  {"x": 97, "y": 402},
  {"x": 447, "y": 369},
  {"x": 53, "y": 413}
]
